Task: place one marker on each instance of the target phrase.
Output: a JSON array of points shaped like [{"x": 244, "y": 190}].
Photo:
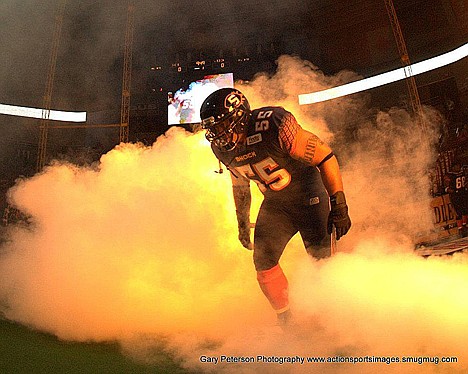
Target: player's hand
[
  {"x": 338, "y": 216},
  {"x": 244, "y": 236}
]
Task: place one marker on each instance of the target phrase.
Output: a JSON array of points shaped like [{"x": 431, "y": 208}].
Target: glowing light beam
[
  {"x": 385, "y": 78},
  {"x": 54, "y": 115}
]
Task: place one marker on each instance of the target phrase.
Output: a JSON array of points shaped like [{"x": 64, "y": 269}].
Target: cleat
[{"x": 285, "y": 319}]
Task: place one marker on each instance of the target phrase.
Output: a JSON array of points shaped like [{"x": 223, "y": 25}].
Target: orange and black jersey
[
  {"x": 456, "y": 181},
  {"x": 265, "y": 157}
]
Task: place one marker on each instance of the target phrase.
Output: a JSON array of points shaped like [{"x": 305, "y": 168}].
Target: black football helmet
[{"x": 224, "y": 114}]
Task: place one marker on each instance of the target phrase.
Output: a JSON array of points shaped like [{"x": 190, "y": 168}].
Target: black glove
[
  {"x": 338, "y": 216},
  {"x": 244, "y": 235}
]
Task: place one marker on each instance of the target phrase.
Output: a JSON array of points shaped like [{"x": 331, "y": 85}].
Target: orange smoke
[
  {"x": 143, "y": 243},
  {"x": 143, "y": 249}
]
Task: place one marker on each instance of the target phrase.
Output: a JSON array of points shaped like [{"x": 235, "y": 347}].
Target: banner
[{"x": 443, "y": 214}]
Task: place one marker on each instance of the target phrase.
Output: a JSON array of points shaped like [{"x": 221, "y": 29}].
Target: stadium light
[
  {"x": 54, "y": 115},
  {"x": 385, "y": 78}
]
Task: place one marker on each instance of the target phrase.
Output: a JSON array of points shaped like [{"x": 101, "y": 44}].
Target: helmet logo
[{"x": 233, "y": 100}]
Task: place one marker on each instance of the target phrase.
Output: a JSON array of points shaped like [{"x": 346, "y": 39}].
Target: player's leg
[
  {"x": 457, "y": 202},
  {"x": 312, "y": 224},
  {"x": 465, "y": 214},
  {"x": 273, "y": 230}
]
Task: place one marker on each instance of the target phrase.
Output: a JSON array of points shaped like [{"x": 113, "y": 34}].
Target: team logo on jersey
[
  {"x": 233, "y": 100},
  {"x": 253, "y": 139},
  {"x": 314, "y": 200}
]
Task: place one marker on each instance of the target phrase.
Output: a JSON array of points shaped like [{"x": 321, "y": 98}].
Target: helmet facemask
[{"x": 225, "y": 133}]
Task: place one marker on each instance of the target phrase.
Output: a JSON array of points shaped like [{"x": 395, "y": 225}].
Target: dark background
[{"x": 170, "y": 37}]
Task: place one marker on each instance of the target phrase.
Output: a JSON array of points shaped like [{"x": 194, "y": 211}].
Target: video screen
[{"x": 184, "y": 105}]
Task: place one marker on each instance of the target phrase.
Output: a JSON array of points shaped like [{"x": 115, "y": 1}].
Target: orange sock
[{"x": 274, "y": 285}]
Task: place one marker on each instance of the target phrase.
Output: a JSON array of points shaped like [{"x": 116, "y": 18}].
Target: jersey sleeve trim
[{"x": 325, "y": 159}]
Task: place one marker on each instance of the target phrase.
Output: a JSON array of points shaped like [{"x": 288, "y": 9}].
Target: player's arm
[
  {"x": 242, "y": 201},
  {"x": 308, "y": 148},
  {"x": 313, "y": 151}
]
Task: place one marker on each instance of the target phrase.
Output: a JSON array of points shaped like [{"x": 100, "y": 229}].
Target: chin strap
[{"x": 220, "y": 170}]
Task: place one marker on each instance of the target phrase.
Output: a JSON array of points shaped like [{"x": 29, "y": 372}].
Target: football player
[
  {"x": 297, "y": 173},
  {"x": 457, "y": 188}
]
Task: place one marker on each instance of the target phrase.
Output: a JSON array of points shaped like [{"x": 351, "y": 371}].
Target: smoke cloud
[
  {"x": 142, "y": 249},
  {"x": 114, "y": 242}
]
